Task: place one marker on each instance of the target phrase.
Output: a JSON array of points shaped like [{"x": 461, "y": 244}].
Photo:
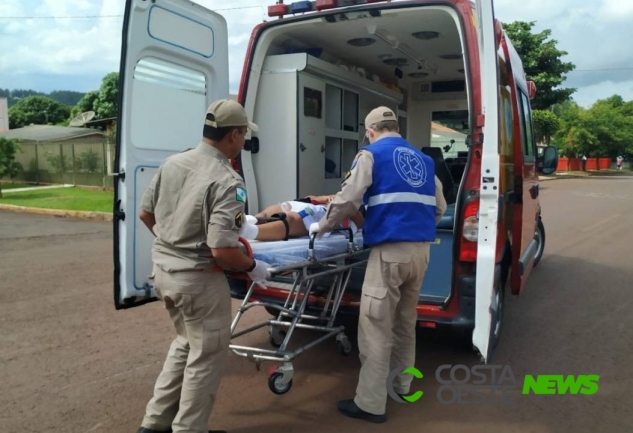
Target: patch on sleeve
[
  {"x": 354, "y": 162},
  {"x": 240, "y": 195},
  {"x": 239, "y": 220}
]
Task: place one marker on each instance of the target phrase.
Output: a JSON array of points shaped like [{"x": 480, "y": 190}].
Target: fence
[{"x": 76, "y": 163}]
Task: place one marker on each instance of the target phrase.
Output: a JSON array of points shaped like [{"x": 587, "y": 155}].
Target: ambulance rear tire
[
  {"x": 539, "y": 235},
  {"x": 498, "y": 308}
]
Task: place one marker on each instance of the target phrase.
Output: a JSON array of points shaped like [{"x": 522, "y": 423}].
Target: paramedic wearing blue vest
[{"x": 403, "y": 198}]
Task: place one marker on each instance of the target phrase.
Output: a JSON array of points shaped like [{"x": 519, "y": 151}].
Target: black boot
[{"x": 350, "y": 409}]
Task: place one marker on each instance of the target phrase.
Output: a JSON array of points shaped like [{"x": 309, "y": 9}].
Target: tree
[
  {"x": 66, "y": 97},
  {"x": 85, "y": 104},
  {"x": 574, "y": 136},
  {"x": 604, "y": 130},
  {"x": 39, "y": 110},
  {"x": 105, "y": 105},
  {"x": 613, "y": 125},
  {"x": 546, "y": 125},
  {"x": 9, "y": 167},
  {"x": 542, "y": 63}
]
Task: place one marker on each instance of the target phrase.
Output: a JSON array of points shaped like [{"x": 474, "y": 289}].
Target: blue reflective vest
[{"x": 400, "y": 203}]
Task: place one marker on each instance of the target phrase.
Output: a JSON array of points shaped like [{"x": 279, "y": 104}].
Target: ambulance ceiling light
[
  {"x": 426, "y": 35},
  {"x": 418, "y": 75},
  {"x": 396, "y": 61},
  {"x": 361, "y": 42},
  {"x": 393, "y": 41},
  {"x": 451, "y": 56}
]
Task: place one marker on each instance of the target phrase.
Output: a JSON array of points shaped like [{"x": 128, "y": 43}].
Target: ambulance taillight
[{"x": 470, "y": 232}]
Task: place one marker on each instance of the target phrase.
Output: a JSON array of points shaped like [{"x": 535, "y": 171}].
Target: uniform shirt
[
  {"x": 198, "y": 201},
  {"x": 357, "y": 181}
]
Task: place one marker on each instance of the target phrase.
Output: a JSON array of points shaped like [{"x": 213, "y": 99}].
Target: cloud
[
  {"x": 587, "y": 95},
  {"x": 592, "y": 33},
  {"x": 60, "y": 46}
]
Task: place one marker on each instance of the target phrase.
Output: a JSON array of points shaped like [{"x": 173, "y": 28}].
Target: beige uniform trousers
[
  {"x": 199, "y": 304},
  {"x": 387, "y": 324}
]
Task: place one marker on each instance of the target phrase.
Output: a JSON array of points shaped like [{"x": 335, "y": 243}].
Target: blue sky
[{"x": 74, "y": 54}]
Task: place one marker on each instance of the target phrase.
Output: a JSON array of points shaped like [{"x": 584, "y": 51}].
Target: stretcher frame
[{"x": 305, "y": 274}]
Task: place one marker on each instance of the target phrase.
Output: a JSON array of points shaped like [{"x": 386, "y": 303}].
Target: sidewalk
[{"x": 34, "y": 188}]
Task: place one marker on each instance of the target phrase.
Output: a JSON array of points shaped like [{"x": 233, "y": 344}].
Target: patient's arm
[{"x": 321, "y": 199}]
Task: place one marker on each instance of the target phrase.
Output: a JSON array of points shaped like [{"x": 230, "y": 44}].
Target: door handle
[
  {"x": 302, "y": 147},
  {"x": 534, "y": 191}
]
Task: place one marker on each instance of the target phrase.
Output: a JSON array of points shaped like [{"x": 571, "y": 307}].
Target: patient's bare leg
[
  {"x": 276, "y": 230},
  {"x": 269, "y": 211}
]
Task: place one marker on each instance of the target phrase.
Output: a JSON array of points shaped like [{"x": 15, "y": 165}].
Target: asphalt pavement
[{"x": 70, "y": 363}]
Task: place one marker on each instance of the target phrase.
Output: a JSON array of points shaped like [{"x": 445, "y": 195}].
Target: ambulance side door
[
  {"x": 524, "y": 233},
  {"x": 174, "y": 63}
]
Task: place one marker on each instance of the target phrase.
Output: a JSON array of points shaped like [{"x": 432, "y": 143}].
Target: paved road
[{"x": 70, "y": 363}]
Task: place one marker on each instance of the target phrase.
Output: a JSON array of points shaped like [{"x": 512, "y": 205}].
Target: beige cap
[
  {"x": 227, "y": 112},
  {"x": 378, "y": 115}
]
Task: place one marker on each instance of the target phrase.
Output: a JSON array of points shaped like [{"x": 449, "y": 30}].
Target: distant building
[
  {"x": 54, "y": 134},
  {"x": 61, "y": 154},
  {"x": 4, "y": 115},
  {"x": 107, "y": 125}
]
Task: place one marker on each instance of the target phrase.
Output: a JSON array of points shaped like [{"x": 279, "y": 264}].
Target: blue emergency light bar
[
  {"x": 300, "y": 7},
  {"x": 280, "y": 9}
]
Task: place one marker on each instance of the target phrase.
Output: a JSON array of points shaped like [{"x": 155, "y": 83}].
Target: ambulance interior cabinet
[{"x": 311, "y": 125}]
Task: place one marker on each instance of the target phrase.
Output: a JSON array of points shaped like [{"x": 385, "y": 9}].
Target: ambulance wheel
[
  {"x": 539, "y": 235},
  {"x": 498, "y": 308},
  {"x": 276, "y": 385}
]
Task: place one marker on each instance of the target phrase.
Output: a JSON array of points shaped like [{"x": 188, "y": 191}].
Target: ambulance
[{"x": 311, "y": 74}]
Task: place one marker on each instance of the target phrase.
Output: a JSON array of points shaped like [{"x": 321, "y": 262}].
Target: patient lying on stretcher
[{"x": 292, "y": 219}]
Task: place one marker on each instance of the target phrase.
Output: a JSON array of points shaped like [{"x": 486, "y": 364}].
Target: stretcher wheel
[
  {"x": 277, "y": 336},
  {"x": 343, "y": 344},
  {"x": 276, "y": 386}
]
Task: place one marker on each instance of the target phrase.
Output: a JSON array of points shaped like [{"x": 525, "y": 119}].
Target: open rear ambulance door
[
  {"x": 489, "y": 186},
  {"x": 174, "y": 63}
]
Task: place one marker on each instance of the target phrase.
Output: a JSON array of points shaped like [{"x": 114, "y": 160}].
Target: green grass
[{"x": 76, "y": 199}]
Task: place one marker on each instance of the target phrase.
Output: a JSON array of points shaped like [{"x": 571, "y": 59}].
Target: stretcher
[{"x": 307, "y": 263}]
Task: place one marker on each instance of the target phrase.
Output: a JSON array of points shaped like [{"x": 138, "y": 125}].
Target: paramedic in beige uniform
[
  {"x": 194, "y": 207},
  {"x": 404, "y": 200}
]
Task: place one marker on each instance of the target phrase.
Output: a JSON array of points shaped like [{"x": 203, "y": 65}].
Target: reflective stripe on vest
[{"x": 401, "y": 197}]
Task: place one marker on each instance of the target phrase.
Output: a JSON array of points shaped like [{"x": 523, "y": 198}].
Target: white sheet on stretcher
[{"x": 295, "y": 250}]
